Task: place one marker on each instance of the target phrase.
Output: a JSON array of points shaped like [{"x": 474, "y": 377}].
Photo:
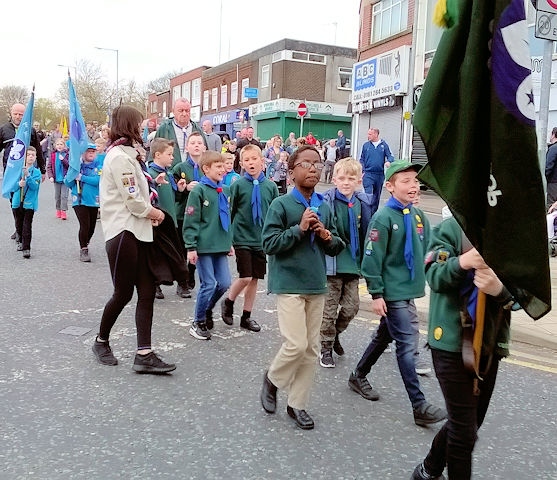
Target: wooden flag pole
[{"x": 478, "y": 337}]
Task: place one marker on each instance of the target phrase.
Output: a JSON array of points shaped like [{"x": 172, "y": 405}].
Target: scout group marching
[{"x": 169, "y": 214}]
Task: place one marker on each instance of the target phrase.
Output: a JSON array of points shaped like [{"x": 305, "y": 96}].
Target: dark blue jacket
[{"x": 373, "y": 158}]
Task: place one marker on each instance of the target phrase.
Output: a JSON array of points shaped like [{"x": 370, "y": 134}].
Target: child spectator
[
  {"x": 208, "y": 239},
  {"x": 190, "y": 171},
  {"x": 25, "y": 201},
  {"x": 162, "y": 152},
  {"x": 231, "y": 176},
  {"x": 56, "y": 170},
  {"x": 250, "y": 198},
  {"x": 394, "y": 271},
  {"x": 85, "y": 198},
  {"x": 298, "y": 231},
  {"x": 353, "y": 209}
]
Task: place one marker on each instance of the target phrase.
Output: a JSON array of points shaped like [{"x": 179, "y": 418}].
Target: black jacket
[{"x": 7, "y": 135}]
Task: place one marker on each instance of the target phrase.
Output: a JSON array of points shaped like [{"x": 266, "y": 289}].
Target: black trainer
[
  {"x": 337, "y": 347},
  {"x": 420, "y": 474},
  {"x": 150, "y": 363},
  {"x": 183, "y": 291},
  {"x": 361, "y": 386},
  {"x": 103, "y": 352},
  {"x": 227, "y": 311},
  {"x": 209, "y": 319},
  {"x": 326, "y": 358},
  {"x": 250, "y": 324},
  {"x": 158, "y": 292},
  {"x": 426, "y": 414}
]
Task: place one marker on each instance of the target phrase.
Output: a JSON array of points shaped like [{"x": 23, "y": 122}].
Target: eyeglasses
[{"x": 308, "y": 165}]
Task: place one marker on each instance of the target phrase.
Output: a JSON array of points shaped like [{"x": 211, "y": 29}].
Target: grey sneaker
[
  {"x": 427, "y": 414},
  {"x": 326, "y": 359},
  {"x": 151, "y": 363},
  {"x": 199, "y": 330},
  {"x": 104, "y": 354},
  {"x": 84, "y": 255},
  {"x": 26, "y": 253},
  {"x": 362, "y": 387}
]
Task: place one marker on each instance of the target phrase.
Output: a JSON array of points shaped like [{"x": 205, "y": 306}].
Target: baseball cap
[
  {"x": 91, "y": 146},
  {"x": 400, "y": 166}
]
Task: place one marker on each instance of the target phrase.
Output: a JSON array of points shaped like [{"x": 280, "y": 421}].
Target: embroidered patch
[
  {"x": 131, "y": 189},
  {"x": 190, "y": 210},
  {"x": 126, "y": 181},
  {"x": 442, "y": 256},
  {"x": 437, "y": 333},
  {"x": 374, "y": 235},
  {"x": 429, "y": 257},
  {"x": 206, "y": 203},
  {"x": 395, "y": 227}
]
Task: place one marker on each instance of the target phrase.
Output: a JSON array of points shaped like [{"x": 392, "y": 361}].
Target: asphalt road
[{"x": 66, "y": 417}]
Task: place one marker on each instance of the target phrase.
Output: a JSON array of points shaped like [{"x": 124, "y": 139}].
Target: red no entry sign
[{"x": 302, "y": 110}]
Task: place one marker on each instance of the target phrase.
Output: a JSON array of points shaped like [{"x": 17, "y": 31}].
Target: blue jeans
[
  {"x": 453, "y": 444},
  {"x": 373, "y": 183},
  {"x": 397, "y": 326},
  {"x": 214, "y": 277}
]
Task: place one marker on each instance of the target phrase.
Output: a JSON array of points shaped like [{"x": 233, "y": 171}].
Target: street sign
[
  {"x": 548, "y": 6},
  {"x": 302, "y": 110},
  {"x": 251, "y": 92},
  {"x": 546, "y": 25}
]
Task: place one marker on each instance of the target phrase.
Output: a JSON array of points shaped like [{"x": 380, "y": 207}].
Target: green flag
[{"x": 476, "y": 119}]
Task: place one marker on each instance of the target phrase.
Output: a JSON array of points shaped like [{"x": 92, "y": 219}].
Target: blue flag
[
  {"x": 78, "y": 134},
  {"x": 16, "y": 159}
]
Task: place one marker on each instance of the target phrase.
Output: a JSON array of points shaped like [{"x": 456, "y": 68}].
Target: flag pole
[{"x": 477, "y": 340}]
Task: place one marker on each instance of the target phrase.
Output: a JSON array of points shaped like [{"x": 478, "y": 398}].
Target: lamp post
[
  {"x": 113, "y": 50},
  {"x": 68, "y": 67}
]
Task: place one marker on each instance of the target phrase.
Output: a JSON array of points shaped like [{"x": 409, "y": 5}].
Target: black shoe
[
  {"x": 301, "y": 417},
  {"x": 26, "y": 253},
  {"x": 19, "y": 246},
  {"x": 326, "y": 358},
  {"x": 150, "y": 363},
  {"x": 361, "y": 386},
  {"x": 250, "y": 324},
  {"x": 199, "y": 330},
  {"x": 13, "y": 236},
  {"x": 268, "y": 395},
  {"x": 420, "y": 474},
  {"x": 158, "y": 292},
  {"x": 337, "y": 347},
  {"x": 426, "y": 414},
  {"x": 183, "y": 291},
  {"x": 103, "y": 352},
  {"x": 209, "y": 319},
  {"x": 226, "y": 311}
]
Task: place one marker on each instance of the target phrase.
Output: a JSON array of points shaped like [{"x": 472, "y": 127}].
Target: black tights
[
  {"x": 87, "y": 217},
  {"x": 127, "y": 258}
]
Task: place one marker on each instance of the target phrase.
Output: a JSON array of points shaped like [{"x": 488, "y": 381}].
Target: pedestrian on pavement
[
  {"x": 455, "y": 273},
  {"x": 331, "y": 154},
  {"x": 127, "y": 219},
  {"x": 179, "y": 128},
  {"x": 167, "y": 186},
  {"x": 248, "y": 139},
  {"x": 250, "y": 197},
  {"x": 56, "y": 170},
  {"x": 341, "y": 144},
  {"x": 208, "y": 240},
  {"x": 394, "y": 271},
  {"x": 298, "y": 232},
  {"x": 551, "y": 168},
  {"x": 25, "y": 201},
  {"x": 353, "y": 210},
  {"x": 376, "y": 156},
  {"x": 190, "y": 171},
  {"x": 214, "y": 142},
  {"x": 85, "y": 198}
]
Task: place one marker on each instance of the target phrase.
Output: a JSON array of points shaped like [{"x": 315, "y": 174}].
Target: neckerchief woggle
[
  {"x": 171, "y": 180},
  {"x": 195, "y": 166},
  {"x": 224, "y": 212},
  {"x": 256, "y": 208},
  {"x": 314, "y": 203},
  {"x": 408, "y": 246},
  {"x": 354, "y": 238}
]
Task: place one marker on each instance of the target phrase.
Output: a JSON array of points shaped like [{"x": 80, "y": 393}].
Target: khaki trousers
[{"x": 293, "y": 368}]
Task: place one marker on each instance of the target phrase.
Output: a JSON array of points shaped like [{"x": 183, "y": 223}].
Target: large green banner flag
[{"x": 476, "y": 118}]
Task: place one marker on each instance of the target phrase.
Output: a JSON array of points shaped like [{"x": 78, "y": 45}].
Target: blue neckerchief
[
  {"x": 224, "y": 212},
  {"x": 471, "y": 291},
  {"x": 195, "y": 166},
  {"x": 314, "y": 203},
  {"x": 354, "y": 237},
  {"x": 256, "y": 208},
  {"x": 153, "y": 193},
  {"x": 172, "y": 181},
  {"x": 408, "y": 246},
  {"x": 59, "y": 167}
]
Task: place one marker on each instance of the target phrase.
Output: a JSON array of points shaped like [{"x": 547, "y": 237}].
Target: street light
[
  {"x": 113, "y": 50},
  {"x": 68, "y": 67}
]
